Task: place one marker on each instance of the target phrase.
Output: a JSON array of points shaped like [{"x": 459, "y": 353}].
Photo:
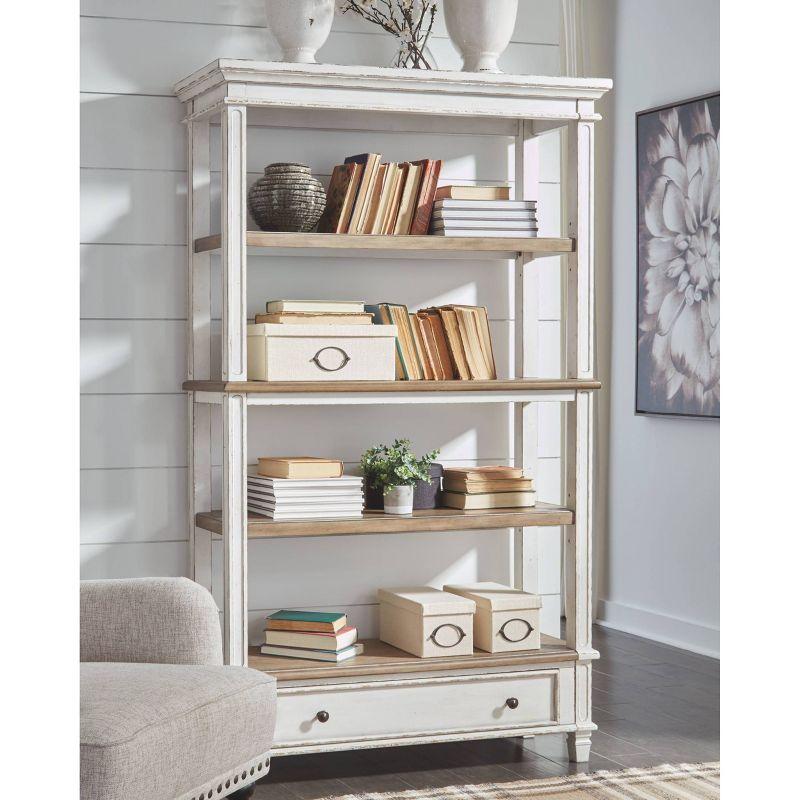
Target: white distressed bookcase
[{"x": 386, "y": 697}]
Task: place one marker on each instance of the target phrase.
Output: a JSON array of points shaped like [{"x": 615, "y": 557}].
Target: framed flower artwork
[{"x": 678, "y": 254}]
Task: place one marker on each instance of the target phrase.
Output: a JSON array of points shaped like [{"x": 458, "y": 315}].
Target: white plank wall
[{"x": 133, "y": 309}]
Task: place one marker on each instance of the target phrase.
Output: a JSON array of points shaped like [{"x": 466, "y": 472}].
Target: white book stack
[
  {"x": 305, "y": 498},
  {"x": 508, "y": 218}
]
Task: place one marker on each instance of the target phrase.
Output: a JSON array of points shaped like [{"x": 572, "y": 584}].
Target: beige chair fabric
[
  {"x": 149, "y": 620},
  {"x": 157, "y": 731},
  {"x": 181, "y": 728}
]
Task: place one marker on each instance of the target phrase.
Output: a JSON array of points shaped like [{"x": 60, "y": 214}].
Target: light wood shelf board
[
  {"x": 380, "y": 658},
  {"x": 342, "y": 241},
  {"x": 437, "y": 520},
  {"x": 281, "y": 387}
]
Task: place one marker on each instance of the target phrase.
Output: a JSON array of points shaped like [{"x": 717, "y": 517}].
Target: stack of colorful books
[
  {"x": 443, "y": 343},
  {"x": 312, "y": 635},
  {"x": 304, "y": 487},
  {"x": 482, "y": 211},
  {"x": 472, "y": 488},
  {"x": 314, "y": 312},
  {"x": 365, "y": 196}
]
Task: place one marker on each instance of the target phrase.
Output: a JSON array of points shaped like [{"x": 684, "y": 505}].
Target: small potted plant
[{"x": 394, "y": 471}]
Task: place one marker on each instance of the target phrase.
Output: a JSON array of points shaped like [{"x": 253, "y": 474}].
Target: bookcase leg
[
  {"x": 579, "y": 745},
  {"x": 234, "y": 527}
]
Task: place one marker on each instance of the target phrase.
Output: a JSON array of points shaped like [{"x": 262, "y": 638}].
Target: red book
[{"x": 430, "y": 180}]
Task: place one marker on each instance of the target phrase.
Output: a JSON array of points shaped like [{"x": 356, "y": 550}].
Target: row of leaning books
[
  {"x": 442, "y": 343},
  {"x": 304, "y": 487},
  {"x": 367, "y": 197},
  {"x": 313, "y": 635}
]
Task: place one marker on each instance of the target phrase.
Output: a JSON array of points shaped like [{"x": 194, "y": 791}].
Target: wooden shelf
[
  {"x": 434, "y": 520},
  {"x": 542, "y": 246},
  {"x": 383, "y": 659},
  {"x": 326, "y": 387}
]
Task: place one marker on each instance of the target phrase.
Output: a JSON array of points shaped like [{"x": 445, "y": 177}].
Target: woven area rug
[{"x": 667, "y": 782}]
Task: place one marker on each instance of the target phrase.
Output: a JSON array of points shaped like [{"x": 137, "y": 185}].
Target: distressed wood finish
[
  {"x": 342, "y": 387},
  {"x": 381, "y": 659},
  {"x": 381, "y": 99},
  {"x": 435, "y": 520},
  {"x": 396, "y": 244},
  {"x": 580, "y": 424},
  {"x": 325, "y": 86},
  {"x": 526, "y": 345},
  {"x": 234, "y": 524},
  {"x": 198, "y": 348}
]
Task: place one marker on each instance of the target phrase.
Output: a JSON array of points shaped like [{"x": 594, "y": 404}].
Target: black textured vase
[{"x": 288, "y": 198}]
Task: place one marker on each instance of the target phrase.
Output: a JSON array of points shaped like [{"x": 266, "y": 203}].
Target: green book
[{"x": 318, "y": 621}]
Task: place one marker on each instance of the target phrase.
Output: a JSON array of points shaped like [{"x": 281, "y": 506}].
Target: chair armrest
[{"x": 149, "y": 620}]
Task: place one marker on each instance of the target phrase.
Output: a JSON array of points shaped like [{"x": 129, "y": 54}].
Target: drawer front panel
[{"x": 406, "y": 708}]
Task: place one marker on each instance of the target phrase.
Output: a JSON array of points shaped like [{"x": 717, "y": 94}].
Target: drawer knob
[
  {"x": 512, "y": 703},
  {"x": 323, "y": 716}
]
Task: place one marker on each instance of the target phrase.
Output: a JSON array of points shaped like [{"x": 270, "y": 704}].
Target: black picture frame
[{"x": 650, "y": 398}]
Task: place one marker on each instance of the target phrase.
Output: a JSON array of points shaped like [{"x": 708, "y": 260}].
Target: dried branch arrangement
[{"x": 411, "y": 21}]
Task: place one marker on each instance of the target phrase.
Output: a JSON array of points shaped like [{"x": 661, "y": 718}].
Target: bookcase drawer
[
  {"x": 312, "y": 353},
  {"x": 413, "y": 708}
]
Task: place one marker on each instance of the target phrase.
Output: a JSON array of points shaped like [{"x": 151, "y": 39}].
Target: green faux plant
[{"x": 387, "y": 467}]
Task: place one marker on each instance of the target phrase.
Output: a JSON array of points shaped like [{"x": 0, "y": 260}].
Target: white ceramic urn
[
  {"x": 300, "y": 27},
  {"x": 480, "y": 30},
  {"x": 399, "y": 500}
]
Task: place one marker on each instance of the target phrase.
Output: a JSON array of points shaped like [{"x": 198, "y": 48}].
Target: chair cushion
[{"x": 159, "y": 731}]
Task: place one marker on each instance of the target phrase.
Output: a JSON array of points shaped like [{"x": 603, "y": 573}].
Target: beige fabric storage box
[
  {"x": 321, "y": 352},
  {"x": 426, "y": 622},
  {"x": 506, "y": 619}
]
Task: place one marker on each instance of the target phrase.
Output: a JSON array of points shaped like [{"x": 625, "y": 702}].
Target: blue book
[{"x": 318, "y": 621}]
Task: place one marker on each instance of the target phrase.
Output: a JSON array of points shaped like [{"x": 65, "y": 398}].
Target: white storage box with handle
[
  {"x": 321, "y": 352},
  {"x": 506, "y": 619},
  {"x": 426, "y": 622}
]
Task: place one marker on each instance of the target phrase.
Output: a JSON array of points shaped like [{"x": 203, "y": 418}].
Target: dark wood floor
[{"x": 653, "y": 704}]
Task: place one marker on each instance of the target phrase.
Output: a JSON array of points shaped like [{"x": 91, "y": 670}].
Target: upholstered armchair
[{"x": 161, "y": 717}]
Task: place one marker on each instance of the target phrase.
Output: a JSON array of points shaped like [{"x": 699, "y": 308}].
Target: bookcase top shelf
[
  {"x": 379, "y": 89},
  {"x": 434, "y": 520},
  {"x": 502, "y": 247}
]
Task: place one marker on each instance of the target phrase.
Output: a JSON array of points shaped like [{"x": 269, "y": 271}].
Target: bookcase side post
[
  {"x": 198, "y": 345},
  {"x": 526, "y": 307},
  {"x": 234, "y": 369},
  {"x": 580, "y": 421}
]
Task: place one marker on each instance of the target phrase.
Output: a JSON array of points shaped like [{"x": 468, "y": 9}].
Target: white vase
[
  {"x": 480, "y": 30},
  {"x": 399, "y": 500},
  {"x": 300, "y": 27}
]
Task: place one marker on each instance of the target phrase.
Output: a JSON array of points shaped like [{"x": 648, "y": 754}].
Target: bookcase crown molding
[{"x": 269, "y": 83}]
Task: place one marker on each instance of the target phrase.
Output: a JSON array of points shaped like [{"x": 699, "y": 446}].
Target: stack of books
[
  {"x": 314, "y": 312},
  {"x": 313, "y": 635},
  {"x": 367, "y": 197},
  {"x": 482, "y": 211},
  {"x": 472, "y": 488},
  {"x": 304, "y": 487},
  {"x": 443, "y": 343}
]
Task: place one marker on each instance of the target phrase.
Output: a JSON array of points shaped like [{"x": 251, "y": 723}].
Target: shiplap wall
[{"x": 133, "y": 309}]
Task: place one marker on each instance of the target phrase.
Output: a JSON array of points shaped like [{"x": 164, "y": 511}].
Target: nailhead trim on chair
[{"x": 231, "y": 781}]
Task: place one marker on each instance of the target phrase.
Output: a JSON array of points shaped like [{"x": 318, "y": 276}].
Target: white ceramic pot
[
  {"x": 480, "y": 30},
  {"x": 300, "y": 27},
  {"x": 399, "y": 500}
]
